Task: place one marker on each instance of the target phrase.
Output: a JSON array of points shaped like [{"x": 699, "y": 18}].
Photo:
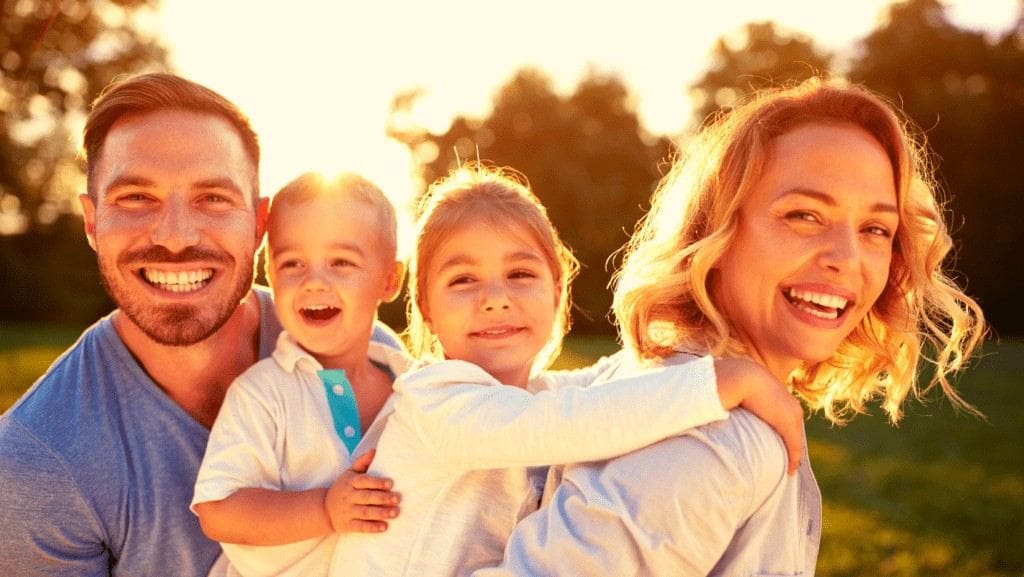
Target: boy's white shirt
[
  {"x": 467, "y": 453},
  {"x": 275, "y": 431}
]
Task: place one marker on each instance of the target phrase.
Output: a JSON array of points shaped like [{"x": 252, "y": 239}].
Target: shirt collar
[{"x": 293, "y": 357}]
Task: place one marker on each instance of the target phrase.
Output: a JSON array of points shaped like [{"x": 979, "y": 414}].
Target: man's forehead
[{"x": 200, "y": 146}]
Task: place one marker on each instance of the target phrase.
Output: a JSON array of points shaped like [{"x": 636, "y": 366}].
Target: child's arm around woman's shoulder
[{"x": 469, "y": 420}]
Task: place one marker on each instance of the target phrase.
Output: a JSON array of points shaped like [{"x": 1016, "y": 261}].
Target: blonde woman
[{"x": 801, "y": 230}]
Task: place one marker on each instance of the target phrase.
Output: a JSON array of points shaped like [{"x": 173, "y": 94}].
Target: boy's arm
[
  {"x": 253, "y": 516},
  {"x": 476, "y": 426},
  {"x": 237, "y": 497},
  {"x": 356, "y": 502}
]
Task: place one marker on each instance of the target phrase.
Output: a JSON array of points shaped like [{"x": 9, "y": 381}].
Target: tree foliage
[
  {"x": 965, "y": 93},
  {"x": 55, "y": 57},
  {"x": 760, "y": 56},
  {"x": 585, "y": 155}
]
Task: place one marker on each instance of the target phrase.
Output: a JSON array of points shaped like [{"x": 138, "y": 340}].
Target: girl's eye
[
  {"x": 460, "y": 280},
  {"x": 522, "y": 274},
  {"x": 288, "y": 264}
]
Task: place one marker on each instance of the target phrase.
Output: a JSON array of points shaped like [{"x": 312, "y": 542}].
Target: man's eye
[
  {"x": 132, "y": 197},
  {"x": 342, "y": 262}
]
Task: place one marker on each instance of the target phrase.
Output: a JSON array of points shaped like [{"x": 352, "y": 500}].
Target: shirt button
[
  {"x": 350, "y": 432},
  {"x": 338, "y": 390}
]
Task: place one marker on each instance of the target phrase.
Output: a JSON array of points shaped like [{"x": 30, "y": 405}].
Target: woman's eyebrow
[{"x": 830, "y": 200}]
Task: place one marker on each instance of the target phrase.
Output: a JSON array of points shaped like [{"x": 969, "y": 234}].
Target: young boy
[{"x": 283, "y": 474}]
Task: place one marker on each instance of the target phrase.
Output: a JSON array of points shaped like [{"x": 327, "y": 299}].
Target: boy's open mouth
[{"x": 319, "y": 312}]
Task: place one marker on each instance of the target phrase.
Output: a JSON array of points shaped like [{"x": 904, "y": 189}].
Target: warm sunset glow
[{"x": 317, "y": 78}]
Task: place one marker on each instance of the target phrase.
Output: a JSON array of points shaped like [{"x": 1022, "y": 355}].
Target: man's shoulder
[
  {"x": 76, "y": 397},
  {"x": 66, "y": 376}
]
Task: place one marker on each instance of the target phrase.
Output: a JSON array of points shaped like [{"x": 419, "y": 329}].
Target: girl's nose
[{"x": 495, "y": 297}]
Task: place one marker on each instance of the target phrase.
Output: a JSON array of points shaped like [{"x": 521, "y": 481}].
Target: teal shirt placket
[{"x": 344, "y": 411}]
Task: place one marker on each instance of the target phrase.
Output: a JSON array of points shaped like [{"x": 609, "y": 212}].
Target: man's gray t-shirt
[{"x": 98, "y": 466}]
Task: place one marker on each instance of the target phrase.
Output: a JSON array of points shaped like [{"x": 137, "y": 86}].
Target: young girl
[{"x": 490, "y": 294}]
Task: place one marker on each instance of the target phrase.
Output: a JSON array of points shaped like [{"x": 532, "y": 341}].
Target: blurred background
[{"x": 588, "y": 103}]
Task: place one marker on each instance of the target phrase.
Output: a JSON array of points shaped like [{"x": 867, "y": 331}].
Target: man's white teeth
[
  {"x": 317, "y": 307},
  {"x": 180, "y": 281}
]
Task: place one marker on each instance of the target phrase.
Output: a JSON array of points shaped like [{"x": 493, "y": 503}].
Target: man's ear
[
  {"x": 89, "y": 216},
  {"x": 394, "y": 286},
  {"x": 262, "y": 210}
]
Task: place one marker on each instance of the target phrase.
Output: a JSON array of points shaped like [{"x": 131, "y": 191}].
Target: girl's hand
[
  {"x": 360, "y": 503},
  {"x": 745, "y": 383}
]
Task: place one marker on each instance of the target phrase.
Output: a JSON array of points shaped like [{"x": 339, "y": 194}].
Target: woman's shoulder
[{"x": 739, "y": 451}]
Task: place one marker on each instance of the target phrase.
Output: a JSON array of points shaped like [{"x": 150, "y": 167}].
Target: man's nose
[{"x": 176, "y": 228}]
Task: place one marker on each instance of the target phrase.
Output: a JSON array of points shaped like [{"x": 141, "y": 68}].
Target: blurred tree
[
  {"x": 586, "y": 157},
  {"x": 759, "y": 56},
  {"x": 967, "y": 95},
  {"x": 55, "y": 57}
]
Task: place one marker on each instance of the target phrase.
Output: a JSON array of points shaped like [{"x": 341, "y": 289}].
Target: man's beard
[{"x": 175, "y": 324}]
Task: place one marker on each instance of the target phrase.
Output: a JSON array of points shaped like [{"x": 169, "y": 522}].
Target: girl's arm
[
  {"x": 470, "y": 421},
  {"x": 582, "y": 377}
]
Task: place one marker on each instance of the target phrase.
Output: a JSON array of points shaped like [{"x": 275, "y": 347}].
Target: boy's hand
[
  {"x": 745, "y": 383},
  {"x": 360, "y": 503}
]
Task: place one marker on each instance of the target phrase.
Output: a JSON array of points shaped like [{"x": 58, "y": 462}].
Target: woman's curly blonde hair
[
  {"x": 662, "y": 297},
  {"x": 499, "y": 197}
]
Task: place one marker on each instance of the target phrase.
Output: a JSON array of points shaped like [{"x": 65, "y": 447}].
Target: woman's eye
[
  {"x": 289, "y": 264},
  {"x": 802, "y": 215},
  {"x": 460, "y": 280},
  {"x": 880, "y": 231}
]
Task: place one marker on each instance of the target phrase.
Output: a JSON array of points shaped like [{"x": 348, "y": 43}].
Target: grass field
[{"x": 941, "y": 495}]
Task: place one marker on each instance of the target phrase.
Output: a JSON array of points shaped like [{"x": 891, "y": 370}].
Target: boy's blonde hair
[
  {"x": 498, "y": 197},
  {"x": 662, "y": 297},
  {"x": 310, "y": 186}
]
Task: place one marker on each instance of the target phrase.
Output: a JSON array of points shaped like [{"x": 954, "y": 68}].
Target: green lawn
[{"x": 941, "y": 495}]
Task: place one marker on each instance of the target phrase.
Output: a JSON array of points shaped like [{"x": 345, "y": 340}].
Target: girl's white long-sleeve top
[{"x": 467, "y": 453}]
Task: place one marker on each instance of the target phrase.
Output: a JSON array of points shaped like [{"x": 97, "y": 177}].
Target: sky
[{"x": 317, "y": 78}]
